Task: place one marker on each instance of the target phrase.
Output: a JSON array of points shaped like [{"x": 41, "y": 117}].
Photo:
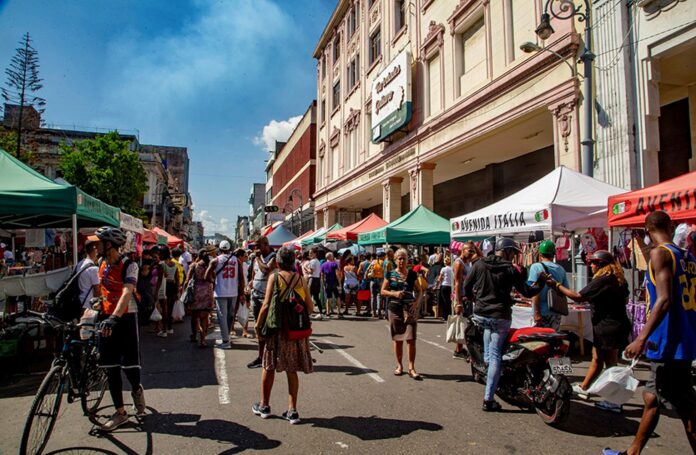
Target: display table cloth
[
  {"x": 578, "y": 321},
  {"x": 34, "y": 285}
]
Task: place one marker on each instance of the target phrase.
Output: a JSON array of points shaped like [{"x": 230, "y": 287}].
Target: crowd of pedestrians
[{"x": 278, "y": 285}]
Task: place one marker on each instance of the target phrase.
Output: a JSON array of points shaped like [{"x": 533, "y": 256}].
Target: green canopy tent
[
  {"x": 31, "y": 200},
  {"x": 320, "y": 235},
  {"x": 420, "y": 226}
]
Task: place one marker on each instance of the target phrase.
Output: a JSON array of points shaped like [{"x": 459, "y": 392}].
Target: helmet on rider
[
  {"x": 505, "y": 243},
  {"x": 547, "y": 248},
  {"x": 111, "y": 234},
  {"x": 602, "y": 257}
]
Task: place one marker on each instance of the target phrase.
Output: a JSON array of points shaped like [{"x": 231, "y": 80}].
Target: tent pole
[
  {"x": 572, "y": 257},
  {"x": 74, "y": 238}
]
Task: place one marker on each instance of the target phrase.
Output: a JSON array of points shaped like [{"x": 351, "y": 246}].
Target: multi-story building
[
  {"x": 292, "y": 171},
  {"x": 242, "y": 230},
  {"x": 257, "y": 201},
  {"x": 645, "y": 74},
  {"x": 433, "y": 102}
]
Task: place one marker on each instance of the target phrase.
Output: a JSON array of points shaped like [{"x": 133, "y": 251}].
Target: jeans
[
  {"x": 551, "y": 321},
  {"x": 377, "y": 304},
  {"x": 494, "y": 336},
  {"x": 315, "y": 292},
  {"x": 225, "y": 315}
]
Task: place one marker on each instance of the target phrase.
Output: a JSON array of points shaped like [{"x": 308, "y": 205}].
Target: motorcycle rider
[{"x": 489, "y": 285}]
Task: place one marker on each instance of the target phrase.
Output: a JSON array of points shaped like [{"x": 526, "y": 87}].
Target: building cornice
[{"x": 334, "y": 22}]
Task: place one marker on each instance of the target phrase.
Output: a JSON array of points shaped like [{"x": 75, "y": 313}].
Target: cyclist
[{"x": 119, "y": 345}]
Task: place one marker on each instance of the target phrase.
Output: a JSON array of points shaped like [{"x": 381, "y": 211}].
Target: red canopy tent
[
  {"x": 149, "y": 236},
  {"x": 351, "y": 232},
  {"x": 298, "y": 241},
  {"x": 172, "y": 240},
  {"x": 677, "y": 197}
]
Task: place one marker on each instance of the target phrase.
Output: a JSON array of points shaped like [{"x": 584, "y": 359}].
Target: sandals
[
  {"x": 398, "y": 372},
  {"x": 415, "y": 376}
]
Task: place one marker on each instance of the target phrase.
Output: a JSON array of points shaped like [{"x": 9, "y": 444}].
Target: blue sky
[{"x": 223, "y": 78}]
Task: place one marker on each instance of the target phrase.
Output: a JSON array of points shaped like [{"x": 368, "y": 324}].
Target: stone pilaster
[
  {"x": 566, "y": 134},
  {"x": 421, "y": 181},
  {"x": 391, "y": 198}
]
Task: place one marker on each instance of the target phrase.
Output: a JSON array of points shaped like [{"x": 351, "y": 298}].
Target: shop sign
[
  {"x": 502, "y": 222},
  {"x": 391, "y": 97},
  {"x": 131, "y": 223}
]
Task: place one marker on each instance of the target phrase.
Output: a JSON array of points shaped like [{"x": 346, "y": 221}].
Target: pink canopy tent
[
  {"x": 351, "y": 232},
  {"x": 172, "y": 240},
  {"x": 298, "y": 241}
]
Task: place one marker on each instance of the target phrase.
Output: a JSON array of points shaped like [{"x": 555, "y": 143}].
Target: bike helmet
[
  {"x": 111, "y": 234},
  {"x": 547, "y": 248},
  {"x": 505, "y": 243},
  {"x": 601, "y": 256}
]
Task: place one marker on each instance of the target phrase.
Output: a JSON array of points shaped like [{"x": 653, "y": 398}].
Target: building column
[
  {"x": 421, "y": 180},
  {"x": 692, "y": 124},
  {"x": 391, "y": 198},
  {"x": 566, "y": 134},
  {"x": 329, "y": 216}
]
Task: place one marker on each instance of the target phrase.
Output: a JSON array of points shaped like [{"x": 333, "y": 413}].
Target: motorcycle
[{"x": 534, "y": 369}]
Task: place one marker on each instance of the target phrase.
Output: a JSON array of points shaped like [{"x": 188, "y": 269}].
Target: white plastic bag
[
  {"x": 456, "y": 324},
  {"x": 243, "y": 314},
  {"x": 178, "y": 312},
  {"x": 155, "y": 316},
  {"x": 616, "y": 384}
]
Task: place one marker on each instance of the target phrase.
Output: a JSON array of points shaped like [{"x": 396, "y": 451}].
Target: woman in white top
[{"x": 446, "y": 280}]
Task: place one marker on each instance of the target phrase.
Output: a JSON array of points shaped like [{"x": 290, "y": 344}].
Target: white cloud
[
  {"x": 276, "y": 131},
  {"x": 212, "y": 225}
]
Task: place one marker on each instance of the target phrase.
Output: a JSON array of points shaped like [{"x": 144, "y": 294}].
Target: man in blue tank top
[{"x": 669, "y": 336}]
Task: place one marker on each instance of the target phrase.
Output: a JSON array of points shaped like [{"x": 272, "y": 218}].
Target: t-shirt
[
  {"x": 226, "y": 276},
  {"x": 315, "y": 268},
  {"x": 88, "y": 279},
  {"x": 329, "y": 268},
  {"x": 261, "y": 278},
  {"x": 607, "y": 299},
  {"x": 185, "y": 261},
  {"x": 447, "y": 276},
  {"x": 556, "y": 271}
]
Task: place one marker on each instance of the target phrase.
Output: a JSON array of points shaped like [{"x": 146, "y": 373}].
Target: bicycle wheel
[
  {"x": 43, "y": 413},
  {"x": 92, "y": 385}
]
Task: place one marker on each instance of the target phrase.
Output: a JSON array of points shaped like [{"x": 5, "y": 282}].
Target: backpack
[
  {"x": 67, "y": 304},
  {"x": 294, "y": 314}
]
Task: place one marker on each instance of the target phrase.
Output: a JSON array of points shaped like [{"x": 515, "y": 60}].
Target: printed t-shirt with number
[
  {"x": 226, "y": 276},
  {"x": 675, "y": 337},
  {"x": 113, "y": 278}
]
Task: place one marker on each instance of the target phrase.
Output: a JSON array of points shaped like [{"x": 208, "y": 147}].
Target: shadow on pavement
[
  {"x": 448, "y": 377},
  {"x": 191, "y": 426},
  {"x": 349, "y": 370},
  {"x": 326, "y": 335},
  {"x": 587, "y": 420},
  {"x": 373, "y": 428},
  {"x": 81, "y": 451}
]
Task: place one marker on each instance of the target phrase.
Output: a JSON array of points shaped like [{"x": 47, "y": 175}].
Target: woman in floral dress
[{"x": 202, "y": 297}]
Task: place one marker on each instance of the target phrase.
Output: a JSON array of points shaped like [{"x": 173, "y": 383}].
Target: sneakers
[
  {"x": 461, "y": 355},
  {"x": 262, "y": 411},
  {"x": 170, "y": 331},
  {"x": 608, "y": 406},
  {"x": 115, "y": 421},
  {"x": 580, "y": 392},
  {"x": 139, "y": 400},
  {"x": 317, "y": 317},
  {"x": 224, "y": 345},
  {"x": 491, "y": 406},
  {"x": 256, "y": 363},
  {"x": 291, "y": 416},
  {"x": 162, "y": 334}
]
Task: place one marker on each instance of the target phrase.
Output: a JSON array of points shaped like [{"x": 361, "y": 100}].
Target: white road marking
[
  {"x": 221, "y": 370},
  {"x": 342, "y": 445},
  {"x": 435, "y": 344},
  {"x": 353, "y": 360}
]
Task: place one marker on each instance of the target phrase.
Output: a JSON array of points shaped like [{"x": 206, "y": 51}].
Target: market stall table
[{"x": 578, "y": 321}]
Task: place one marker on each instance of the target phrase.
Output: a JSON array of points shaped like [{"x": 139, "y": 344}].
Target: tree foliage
[
  {"x": 105, "y": 168},
  {"x": 23, "y": 82}
]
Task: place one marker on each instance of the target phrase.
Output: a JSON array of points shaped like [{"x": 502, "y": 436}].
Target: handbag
[
  {"x": 456, "y": 326},
  {"x": 558, "y": 303},
  {"x": 296, "y": 320}
]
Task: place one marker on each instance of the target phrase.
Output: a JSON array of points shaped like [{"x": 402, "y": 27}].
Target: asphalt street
[{"x": 199, "y": 401}]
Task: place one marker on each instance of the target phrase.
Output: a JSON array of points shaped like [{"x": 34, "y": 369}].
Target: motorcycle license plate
[{"x": 560, "y": 365}]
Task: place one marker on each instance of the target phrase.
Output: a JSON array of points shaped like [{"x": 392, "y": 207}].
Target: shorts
[
  {"x": 122, "y": 348},
  {"x": 171, "y": 290},
  {"x": 331, "y": 291},
  {"x": 350, "y": 289},
  {"x": 671, "y": 383}
]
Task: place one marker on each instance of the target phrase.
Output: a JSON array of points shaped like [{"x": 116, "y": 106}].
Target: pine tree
[{"x": 23, "y": 82}]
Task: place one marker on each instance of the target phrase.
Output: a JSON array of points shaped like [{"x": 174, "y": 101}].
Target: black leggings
[
  {"x": 445, "y": 301},
  {"x": 116, "y": 383},
  {"x": 315, "y": 292}
]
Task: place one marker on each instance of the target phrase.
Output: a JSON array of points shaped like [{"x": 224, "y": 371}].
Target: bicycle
[{"x": 74, "y": 370}]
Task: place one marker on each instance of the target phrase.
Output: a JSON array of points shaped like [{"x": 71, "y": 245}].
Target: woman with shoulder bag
[
  {"x": 607, "y": 295},
  {"x": 281, "y": 353},
  {"x": 202, "y": 298},
  {"x": 405, "y": 296}
]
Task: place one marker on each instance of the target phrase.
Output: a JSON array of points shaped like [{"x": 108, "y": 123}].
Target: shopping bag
[
  {"x": 155, "y": 316},
  {"x": 178, "y": 312},
  {"x": 616, "y": 384},
  {"x": 456, "y": 325},
  {"x": 243, "y": 314}
]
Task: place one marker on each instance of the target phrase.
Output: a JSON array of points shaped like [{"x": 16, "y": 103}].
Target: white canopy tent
[{"x": 563, "y": 200}]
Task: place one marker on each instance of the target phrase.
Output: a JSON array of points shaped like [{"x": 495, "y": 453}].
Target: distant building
[
  {"x": 242, "y": 230},
  {"x": 257, "y": 201}
]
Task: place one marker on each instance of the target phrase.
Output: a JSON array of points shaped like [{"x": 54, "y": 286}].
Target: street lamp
[
  {"x": 299, "y": 193},
  {"x": 567, "y": 9},
  {"x": 292, "y": 214},
  {"x": 529, "y": 47}
]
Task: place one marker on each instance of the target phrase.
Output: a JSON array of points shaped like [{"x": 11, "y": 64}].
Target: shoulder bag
[{"x": 558, "y": 303}]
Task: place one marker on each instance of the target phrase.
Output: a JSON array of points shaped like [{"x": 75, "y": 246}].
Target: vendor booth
[
  {"x": 134, "y": 233},
  {"x": 320, "y": 235},
  {"x": 279, "y": 236},
  {"x": 172, "y": 241},
  {"x": 350, "y": 233},
  {"x": 420, "y": 226},
  {"x": 297, "y": 243}
]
